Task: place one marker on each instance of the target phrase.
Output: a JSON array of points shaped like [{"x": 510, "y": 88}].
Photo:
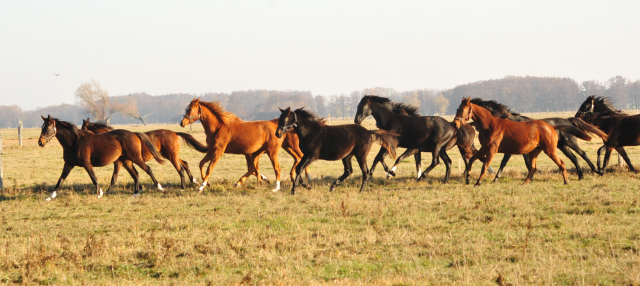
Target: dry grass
[{"x": 398, "y": 232}]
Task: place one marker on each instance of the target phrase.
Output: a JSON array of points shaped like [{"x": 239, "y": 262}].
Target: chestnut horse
[
  {"x": 622, "y": 129},
  {"x": 226, "y": 133},
  {"x": 338, "y": 142},
  {"x": 499, "y": 135},
  {"x": 86, "y": 149},
  {"x": 166, "y": 142}
]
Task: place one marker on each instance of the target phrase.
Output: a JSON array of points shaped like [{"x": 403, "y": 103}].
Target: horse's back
[
  {"x": 338, "y": 141},
  {"x": 425, "y": 132},
  {"x": 103, "y": 148},
  {"x": 250, "y": 136}
]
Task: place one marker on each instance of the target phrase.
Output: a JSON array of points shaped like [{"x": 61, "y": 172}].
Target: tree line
[{"x": 523, "y": 94}]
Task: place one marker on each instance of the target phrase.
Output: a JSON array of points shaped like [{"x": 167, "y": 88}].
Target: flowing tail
[
  {"x": 143, "y": 137},
  {"x": 580, "y": 124},
  {"x": 387, "y": 139},
  {"x": 193, "y": 143},
  {"x": 573, "y": 131}
]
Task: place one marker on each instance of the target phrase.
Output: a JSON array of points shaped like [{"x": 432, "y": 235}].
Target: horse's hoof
[
  {"x": 389, "y": 176},
  {"x": 48, "y": 199},
  {"x": 100, "y": 193},
  {"x": 194, "y": 181},
  {"x": 333, "y": 188},
  {"x": 160, "y": 188},
  {"x": 136, "y": 195},
  {"x": 264, "y": 178}
]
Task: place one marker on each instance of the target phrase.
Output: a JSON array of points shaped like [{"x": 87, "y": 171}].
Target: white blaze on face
[
  {"x": 100, "y": 193},
  {"x": 277, "y": 187}
]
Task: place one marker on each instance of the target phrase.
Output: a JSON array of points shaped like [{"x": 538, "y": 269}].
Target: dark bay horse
[
  {"x": 622, "y": 129},
  {"x": 499, "y": 135},
  {"x": 165, "y": 141},
  {"x": 339, "y": 142},
  {"x": 86, "y": 149},
  {"x": 226, "y": 133},
  {"x": 566, "y": 141},
  {"x": 425, "y": 133}
]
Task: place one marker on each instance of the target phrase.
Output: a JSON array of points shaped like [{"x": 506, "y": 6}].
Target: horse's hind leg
[
  {"x": 505, "y": 160},
  {"x": 567, "y": 152},
  {"x": 273, "y": 156},
  {"x": 447, "y": 162},
  {"x": 362, "y": 162},
  {"x": 379, "y": 158},
  {"x": 607, "y": 156},
  {"x": 435, "y": 160},
  {"x": 147, "y": 170},
  {"x": 128, "y": 165},
  {"x": 551, "y": 152},
  {"x": 304, "y": 163},
  {"x": 407, "y": 153},
  {"x": 572, "y": 143},
  {"x": 65, "y": 172},
  {"x": 251, "y": 169},
  {"x": 624, "y": 155},
  {"x": 177, "y": 164},
  {"x": 94, "y": 179},
  {"x": 185, "y": 167},
  {"x": 346, "y": 161}
]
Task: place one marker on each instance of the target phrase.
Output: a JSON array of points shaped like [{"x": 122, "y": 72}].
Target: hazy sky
[{"x": 326, "y": 47}]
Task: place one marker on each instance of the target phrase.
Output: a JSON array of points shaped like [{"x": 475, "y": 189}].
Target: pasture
[{"x": 397, "y": 232}]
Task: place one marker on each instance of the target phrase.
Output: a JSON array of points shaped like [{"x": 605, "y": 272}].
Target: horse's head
[
  {"x": 363, "y": 109},
  {"x": 464, "y": 112},
  {"x": 48, "y": 131},
  {"x": 86, "y": 124},
  {"x": 587, "y": 106},
  {"x": 192, "y": 113},
  {"x": 286, "y": 121}
]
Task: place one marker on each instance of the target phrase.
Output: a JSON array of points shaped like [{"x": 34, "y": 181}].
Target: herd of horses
[{"x": 307, "y": 138}]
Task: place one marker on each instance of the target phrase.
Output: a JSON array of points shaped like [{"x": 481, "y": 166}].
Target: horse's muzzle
[{"x": 279, "y": 132}]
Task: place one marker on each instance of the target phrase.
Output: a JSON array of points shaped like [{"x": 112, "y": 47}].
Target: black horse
[
  {"x": 623, "y": 129},
  {"x": 566, "y": 141},
  {"x": 425, "y": 133},
  {"x": 320, "y": 141},
  {"x": 86, "y": 149}
]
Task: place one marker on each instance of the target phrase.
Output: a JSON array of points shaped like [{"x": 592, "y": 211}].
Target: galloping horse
[
  {"x": 166, "y": 142},
  {"x": 463, "y": 139},
  {"x": 566, "y": 141},
  {"x": 320, "y": 141},
  {"x": 226, "y": 133},
  {"x": 86, "y": 149},
  {"x": 622, "y": 129},
  {"x": 505, "y": 136},
  {"x": 425, "y": 133}
]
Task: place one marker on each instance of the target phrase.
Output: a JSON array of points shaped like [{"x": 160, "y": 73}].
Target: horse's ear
[
  {"x": 280, "y": 109},
  {"x": 469, "y": 100},
  {"x": 198, "y": 99},
  {"x": 43, "y": 117},
  {"x": 49, "y": 116}
]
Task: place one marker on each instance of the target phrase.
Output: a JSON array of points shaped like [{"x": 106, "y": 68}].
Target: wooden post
[
  {"x": 1, "y": 174},
  {"x": 20, "y": 132}
]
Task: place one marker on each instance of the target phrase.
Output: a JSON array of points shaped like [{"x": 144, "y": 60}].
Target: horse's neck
[
  {"x": 67, "y": 138},
  {"x": 210, "y": 122},
  {"x": 483, "y": 117},
  {"x": 381, "y": 114},
  {"x": 306, "y": 128}
]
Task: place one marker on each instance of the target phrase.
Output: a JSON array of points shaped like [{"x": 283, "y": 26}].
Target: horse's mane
[
  {"x": 218, "y": 111},
  {"x": 396, "y": 107},
  {"x": 67, "y": 125},
  {"x": 608, "y": 103},
  {"x": 401, "y": 108},
  {"x": 308, "y": 115},
  {"x": 497, "y": 109},
  {"x": 97, "y": 125}
]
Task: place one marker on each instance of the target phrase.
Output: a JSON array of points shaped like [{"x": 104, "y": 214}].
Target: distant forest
[{"x": 523, "y": 94}]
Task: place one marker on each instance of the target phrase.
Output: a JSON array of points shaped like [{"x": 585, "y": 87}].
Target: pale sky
[{"x": 326, "y": 47}]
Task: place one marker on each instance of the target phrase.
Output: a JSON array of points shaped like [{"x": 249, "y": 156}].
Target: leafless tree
[{"x": 96, "y": 101}]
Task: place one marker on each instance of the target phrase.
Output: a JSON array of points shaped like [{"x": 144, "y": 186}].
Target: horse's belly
[{"x": 511, "y": 146}]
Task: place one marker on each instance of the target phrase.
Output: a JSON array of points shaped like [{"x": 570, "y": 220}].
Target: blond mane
[{"x": 218, "y": 111}]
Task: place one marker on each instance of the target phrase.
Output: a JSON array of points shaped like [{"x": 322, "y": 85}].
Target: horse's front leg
[
  {"x": 348, "y": 170},
  {"x": 304, "y": 163},
  {"x": 607, "y": 156},
  {"x": 117, "y": 165},
  {"x": 65, "y": 172},
  {"x": 598, "y": 162},
  {"x": 482, "y": 153},
  {"x": 503, "y": 164},
  {"x": 392, "y": 173},
  {"x": 488, "y": 158},
  {"x": 213, "y": 156},
  {"x": 94, "y": 179},
  {"x": 379, "y": 158}
]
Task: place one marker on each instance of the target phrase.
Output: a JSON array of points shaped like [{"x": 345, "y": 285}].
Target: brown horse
[
  {"x": 226, "y": 133},
  {"x": 166, "y": 142},
  {"x": 499, "y": 135},
  {"x": 86, "y": 149}
]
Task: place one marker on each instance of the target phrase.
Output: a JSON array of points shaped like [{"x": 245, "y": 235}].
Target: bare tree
[{"x": 96, "y": 101}]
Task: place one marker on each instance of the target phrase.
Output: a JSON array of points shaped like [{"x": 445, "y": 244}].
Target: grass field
[{"x": 397, "y": 232}]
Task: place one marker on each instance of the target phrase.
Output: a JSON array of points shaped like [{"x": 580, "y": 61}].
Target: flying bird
[{"x": 56, "y": 74}]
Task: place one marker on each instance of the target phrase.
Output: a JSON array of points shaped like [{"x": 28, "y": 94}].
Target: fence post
[
  {"x": 20, "y": 131},
  {"x": 1, "y": 174}
]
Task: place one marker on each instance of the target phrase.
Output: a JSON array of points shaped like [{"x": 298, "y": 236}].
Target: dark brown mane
[
  {"x": 497, "y": 109},
  {"x": 402, "y": 108},
  {"x": 308, "y": 115},
  {"x": 68, "y": 125},
  {"x": 608, "y": 103},
  {"x": 97, "y": 125},
  {"x": 218, "y": 111}
]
